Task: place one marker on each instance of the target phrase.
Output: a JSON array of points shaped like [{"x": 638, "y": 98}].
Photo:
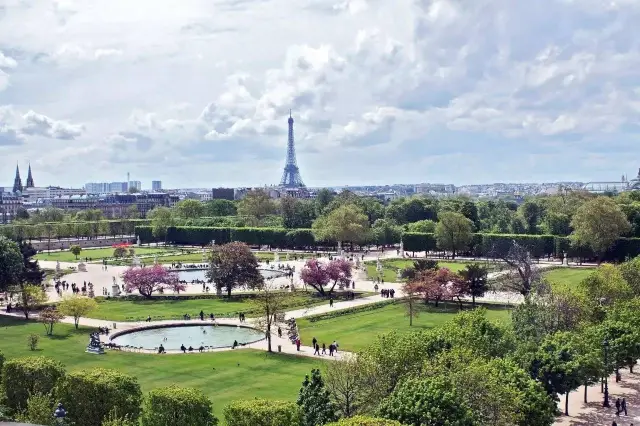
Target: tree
[
  {"x": 77, "y": 307},
  {"x": 233, "y": 266},
  {"x": 556, "y": 365},
  {"x": 147, "y": 280},
  {"x": 475, "y": 276},
  {"x": 412, "y": 290},
  {"x": 453, "y": 232},
  {"x": 270, "y": 304},
  {"x": 296, "y": 213},
  {"x": 314, "y": 273},
  {"x": 11, "y": 264},
  {"x": 630, "y": 271},
  {"x": 423, "y": 226},
  {"x": 215, "y": 208},
  {"x": 324, "y": 197},
  {"x": 31, "y": 296},
  {"x": 365, "y": 421},
  {"x": 346, "y": 223},
  {"x": 597, "y": 224},
  {"x": 441, "y": 284},
  {"x": 49, "y": 317},
  {"x": 419, "y": 266},
  {"x": 262, "y": 412},
  {"x": 119, "y": 252},
  {"x": 23, "y": 377},
  {"x": 530, "y": 212},
  {"x": 161, "y": 219},
  {"x": 344, "y": 385},
  {"x": 132, "y": 212},
  {"x": 175, "y": 405},
  {"x": 39, "y": 409},
  {"x": 386, "y": 232},
  {"x": 256, "y": 203},
  {"x": 604, "y": 287},
  {"x": 190, "y": 209},
  {"x": 522, "y": 275},
  {"x": 91, "y": 396},
  {"x": 315, "y": 402},
  {"x": 426, "y": 402},
  {"x": 339, "y": 271},
  {"x": 75, "y": 250}
]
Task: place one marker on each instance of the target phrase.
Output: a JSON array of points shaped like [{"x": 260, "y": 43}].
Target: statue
[
  {"x": 155, "y": 259},
  {"x": 91, "y": 294},
  {"x": 399, "y": 274},
  {"x": 136, "y": 261},
  {"x": 357, "y": 262},
  {"x": 287, "y": 256},
  {"x": 58, "y": 269},
  {"x": 82, "y": 267},
  {"x": 379, "y": 266},
  {"x": 402, "y": 248},
  {"x": 94, "y": 346},
  {"x": 138, "y": 242},
  {"x": 276, "y": 257}
]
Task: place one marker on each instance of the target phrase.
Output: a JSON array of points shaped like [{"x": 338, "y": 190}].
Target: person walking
[
  {"x": 324, "y": 349},
  {"x": 623, "y": 406},
  {"x": 618, "y": 403},
  {"x": 331, "y": 349},
  {"x": 317, "y": 349},
  {"x": 298, "y": 343},
  {"x": 279, "y": 332},
  {"x": 314, "y": 341},
  {"x": 331, "y": 302}
]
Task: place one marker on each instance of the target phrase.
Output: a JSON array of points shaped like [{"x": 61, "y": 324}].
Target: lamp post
[
  {"x": 605, "y": 346},
  {"x": 60, "y": 413}
]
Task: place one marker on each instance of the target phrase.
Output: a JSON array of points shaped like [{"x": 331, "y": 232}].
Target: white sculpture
[
  {"x": 58, "y": 270},
  {"x": 82, "y": 267},
  {"x": 402, "y": 248},
  {"x": 136, "y": 261},
  {"x": 155, "y": 259},
  {"x": 138, "y": 242},
  {"x": 379, "y": 266},
  {"x": 276, "y": 257},
  {"x": 287, "y": 256}
]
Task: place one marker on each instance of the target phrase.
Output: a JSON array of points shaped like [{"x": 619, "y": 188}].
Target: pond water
[
  {"x": 189, "y": 335},
  {"x": 199, "y": 274}
]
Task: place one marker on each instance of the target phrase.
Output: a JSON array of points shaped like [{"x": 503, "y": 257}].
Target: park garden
[{"x": 438, "y": 351}]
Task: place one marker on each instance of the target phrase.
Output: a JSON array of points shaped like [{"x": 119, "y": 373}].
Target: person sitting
[
  {"x": 161, "y": 349},
  {"x": 212, "y": 317},
  {"x": 200, "y": 349},
  {"x": 190, "y": 348},
  {"x": 149, "y": 318},
  {"x": 183, "y": 349},
  {"x": 235, "y": 344}
]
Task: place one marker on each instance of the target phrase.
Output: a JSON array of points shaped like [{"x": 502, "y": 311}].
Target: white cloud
[
  {"x": 41, "y": 125},
  {"x": 194, "y": 82}
]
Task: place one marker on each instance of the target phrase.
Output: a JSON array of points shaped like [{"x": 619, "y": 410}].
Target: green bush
[
  {"x": 262, "y": 412},
  {"x": 1, "y": 364},
  {"x": 39, "y": 411},
  {"x": 23, "y": 377},
  {"x": 364, "y": 421},
  {"x": 91, "y": 395},
  {"x": 174, "y": 405}
]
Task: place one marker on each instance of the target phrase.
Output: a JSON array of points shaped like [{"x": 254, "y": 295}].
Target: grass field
[
  {"x": 223, "y": 376},
  {"x": 390, "y": 268},
  {"x": 567, "y": 278},
  {"x": 94, "y": 254},
  {"x": 138, "y": 310},
  {"x": 357, "y": 331}
]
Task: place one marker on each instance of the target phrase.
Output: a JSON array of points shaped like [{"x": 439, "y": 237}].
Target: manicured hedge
[
  {"x": 262, "y": 412},
  {"x": 177, "y": 406},
  {"x": 22, "y": 377},
  {"x": 349, "y": 311},
  {"x": 90, "y": 395},
  {"x": 365, "y": 421}
]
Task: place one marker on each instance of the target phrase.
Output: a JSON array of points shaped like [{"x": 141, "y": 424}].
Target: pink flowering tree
[
  {"x": 153, "y": 278},
  {"x": 339, "y": 271},
  {"x": 314, "y": 274}
]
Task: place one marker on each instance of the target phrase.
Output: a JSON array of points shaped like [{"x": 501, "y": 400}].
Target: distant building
[
  {"x": 156, "y": 185},
  {"x": 135, "y": 184},
  {"x": 222, "y": 194},
  {"x": 31, "y": 195},
  {"x": 105, "y": 187},
  {"x": 10, "y": 203},
  {"x": 436, "y": 189},
  {"x": 112, "y": 205}
]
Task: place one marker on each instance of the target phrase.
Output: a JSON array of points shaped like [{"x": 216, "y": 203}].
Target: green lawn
[
  {"x": 196, "y": 257},
  {"x": 138, "y": 310},
  {"x": 357, "y": 331},
  {"x": 567, "y": 278},
  {"x": 223, "y": 376},
  {"x": 94, "y": 254},
  {"x": 390, "y": 267}
]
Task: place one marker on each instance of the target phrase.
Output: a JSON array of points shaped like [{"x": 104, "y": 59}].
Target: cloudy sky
[{"x": 197, "y": 92}]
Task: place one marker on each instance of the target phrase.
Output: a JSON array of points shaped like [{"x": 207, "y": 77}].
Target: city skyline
[{"x": 413, "y": 91}]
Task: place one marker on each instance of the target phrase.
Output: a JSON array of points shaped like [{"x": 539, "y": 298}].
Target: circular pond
[
  {"x": 190, "y": 275},
  {"x": 173, "y": 336}
]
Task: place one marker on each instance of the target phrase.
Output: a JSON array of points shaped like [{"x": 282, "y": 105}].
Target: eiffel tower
[{"x": 291, "y": 176}]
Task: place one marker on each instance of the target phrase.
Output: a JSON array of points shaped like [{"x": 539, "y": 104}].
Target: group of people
[
  {"x": 183, "y": 348},
  {"x": 333, "y": 347},
  {"x": 387, "y": 293},
  {"x": 64, "y": 286}
]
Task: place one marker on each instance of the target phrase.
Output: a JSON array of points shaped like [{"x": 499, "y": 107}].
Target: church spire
[
  {"x": 29, "y": 178},
  {"x": 17, "y": 182}
]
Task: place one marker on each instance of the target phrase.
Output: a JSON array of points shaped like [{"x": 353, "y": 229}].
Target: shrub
[
  {"x": 364, "y": 421},
  {"x": 39, "y": 410},
  {"x": 23, "y": 377},
  {"x": 91, "y": 395},
  {"x": 1, "y": 363},
  {"x": 262, "y": 412},
  {"x": 113, "y": 419},
  {"x": 174, "y": 405},
  {"x": 33, "y": 340}
]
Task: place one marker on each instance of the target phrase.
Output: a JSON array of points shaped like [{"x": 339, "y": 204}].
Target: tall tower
[
  {"x": 29, "y": 178},
  {"x": 291, "y": 176},
  {"x": 17, "y": 182}
]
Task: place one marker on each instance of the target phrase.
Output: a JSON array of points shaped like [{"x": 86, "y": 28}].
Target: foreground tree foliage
[
  {"x": 262, "y": 412},
  {"x": 232, "y": 266},
  {"x": 365, "y": 421},
  {"x": 426, "y": 402},
  {"x": 11, "y": 263},
  {"x": 38, "y": 411},
  {"x": 175, "y": 405},
  {"x": 22, "y": 377},
  {"x": 315, "y": 402},
  {"x": 90, "y": 396}
]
